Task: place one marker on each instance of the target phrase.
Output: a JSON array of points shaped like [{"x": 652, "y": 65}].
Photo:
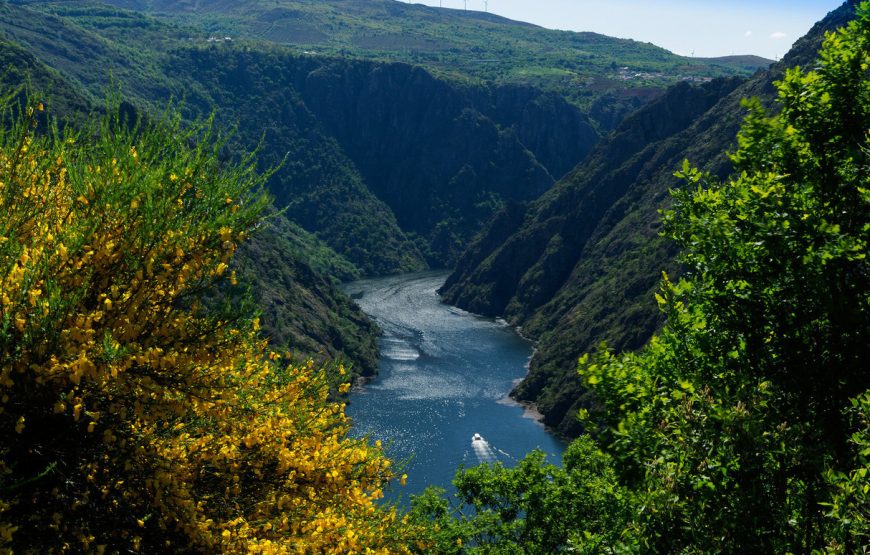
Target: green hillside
[
  {"x": 581, "y": 264},
  {"x": 395, "y": 156},
  {"x": 457, "y": 43}
]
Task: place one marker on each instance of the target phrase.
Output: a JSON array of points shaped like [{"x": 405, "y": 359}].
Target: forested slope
[
  {"x": 396, "y": 166},
  {"x": 456, "y": 44},
  {"x": 291, "y": 273},
  {"x": 580, "y": 265}
]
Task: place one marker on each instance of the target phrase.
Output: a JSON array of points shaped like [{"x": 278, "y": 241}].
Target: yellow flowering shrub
[{"x": 134, "y": 418}]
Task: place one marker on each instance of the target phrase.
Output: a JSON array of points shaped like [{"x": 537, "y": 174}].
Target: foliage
[
  {"x": 732, "y": 415},
  {"x": 535, "y": 508},
  {"x": 289, "y": 266},
  {"x": 741, "y": 427},
  {"x": 134, "y": 418},
  {"x": 850, "y": 503}
]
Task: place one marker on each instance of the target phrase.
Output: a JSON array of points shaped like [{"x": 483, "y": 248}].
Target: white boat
[{"x": 476, "y": 437}]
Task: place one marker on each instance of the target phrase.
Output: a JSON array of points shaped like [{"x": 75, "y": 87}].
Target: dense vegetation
[
  {"x": 394, "y": 166},
  {"x": 135, "y": 417},
  {"x": 581, "y": 264},
  {"x": 143, "y": 410},
  {"x": 456, "y": 44},
  {"x": 291, "y": 280},
  {"x": 742, "y": 427}
]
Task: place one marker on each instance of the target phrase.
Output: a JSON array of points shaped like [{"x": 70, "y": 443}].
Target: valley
[
  {"x": 396, "y": 165},
  {"x": 393, "y": 164},
  {"x": 621, "y": 290}
]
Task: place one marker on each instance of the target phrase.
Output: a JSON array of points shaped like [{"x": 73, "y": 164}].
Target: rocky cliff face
[
  {"x": 559, "y": 224},
  {"x": 581, "y": 264},
  {"x": 382, "y": 154},
  {"x": 443, "y": 157}
]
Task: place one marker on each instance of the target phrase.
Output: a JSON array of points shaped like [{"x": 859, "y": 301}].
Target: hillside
[
  {"x": 580, "y": 265},
  {"x": 450, "y": 42},
  {"x": 292, "y": 277},
  {"x": 321, "y": 185},
  {"x": 292, "y": 274},
  {"x": 394, "y": 165}
]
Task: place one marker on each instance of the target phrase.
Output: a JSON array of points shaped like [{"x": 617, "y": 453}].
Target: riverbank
[{"x": 444, "y": 376}]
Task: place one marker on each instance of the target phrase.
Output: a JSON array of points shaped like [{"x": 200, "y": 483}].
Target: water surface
[{"x": 444, "y": 377}]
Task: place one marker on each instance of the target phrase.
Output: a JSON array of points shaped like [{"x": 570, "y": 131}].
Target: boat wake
[{"x": 485, "y": 452}]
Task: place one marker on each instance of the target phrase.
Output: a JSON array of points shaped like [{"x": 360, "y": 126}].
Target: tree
[
  {"x": 742, "y": 426},
  {"x": 534, "y": 508},
  {"x": 732, "y": 415},
  {"x": 135, "y": 417}
]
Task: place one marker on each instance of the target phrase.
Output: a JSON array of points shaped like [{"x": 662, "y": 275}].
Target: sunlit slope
[{"x": 454, "y": 42}]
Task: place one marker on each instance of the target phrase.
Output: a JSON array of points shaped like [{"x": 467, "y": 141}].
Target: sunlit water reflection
[{"x": 444, "y": 377}]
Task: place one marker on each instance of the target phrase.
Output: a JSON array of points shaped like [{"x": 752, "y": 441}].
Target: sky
[{"x": 703, "y": 28}]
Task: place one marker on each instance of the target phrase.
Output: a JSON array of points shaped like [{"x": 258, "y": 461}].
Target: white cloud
[
  {"x": 778, "y": 35},
  {"x": 747, "y": 34}
]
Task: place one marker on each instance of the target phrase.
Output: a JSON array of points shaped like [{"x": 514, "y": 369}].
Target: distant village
[{"x": 626, "y": 74}]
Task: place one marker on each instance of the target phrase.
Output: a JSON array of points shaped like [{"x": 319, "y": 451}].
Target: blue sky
[{"x": 708, "y": 28}]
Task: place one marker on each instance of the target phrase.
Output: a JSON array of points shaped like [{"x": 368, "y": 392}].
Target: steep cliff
[
  {"x": 558, "y": 226},
  {"x": 581, "y": 264},
  {"x": 443, "y": 157}
]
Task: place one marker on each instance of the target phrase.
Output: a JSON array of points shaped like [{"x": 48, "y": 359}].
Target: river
[{"x": 444, "y": 376}]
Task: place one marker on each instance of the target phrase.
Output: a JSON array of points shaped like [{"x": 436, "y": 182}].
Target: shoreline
[{"x": 530, "y": 409}]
